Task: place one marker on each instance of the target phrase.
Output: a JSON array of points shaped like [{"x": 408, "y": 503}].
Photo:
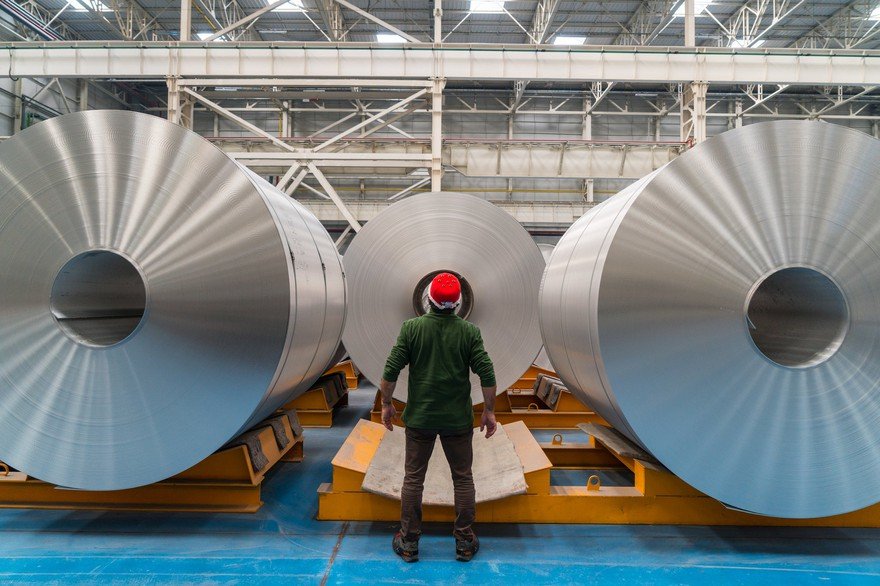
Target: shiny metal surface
[
  {"x": 156, "y": 298},
  {"x": 338, "y": 356},
  {"x": 723, "y": 313},
  {"x": 392, "y": 258},
  {"x": 546, "y": 251},
  {"x": 543, "y": 361}
]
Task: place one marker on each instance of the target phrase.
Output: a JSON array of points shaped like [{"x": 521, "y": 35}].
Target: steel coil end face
[
  {"x": 391, "y": 262},
  {"x": 723, "y": 313},
  {"x": 147, "y": 300}
]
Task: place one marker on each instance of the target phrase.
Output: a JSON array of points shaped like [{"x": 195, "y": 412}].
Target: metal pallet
[
  {"x": 228, "y": 481},
  {"x": 315, "y": 407},
  {"x": 347, "y": 368},
  {"x": 656, "y": 496}
]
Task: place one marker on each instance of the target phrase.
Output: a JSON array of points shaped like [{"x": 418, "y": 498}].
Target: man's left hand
[
  {"x": 487, "y": 422},
  {"x": 388, "y": 414}
]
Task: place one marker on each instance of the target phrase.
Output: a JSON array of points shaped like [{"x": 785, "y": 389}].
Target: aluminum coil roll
[
  {"x": 543, "y": 361},
  {"x": 338, "y": 356},
  {"x": 724, "y": 313},
  {"x": 391, "y": 262},
  {"x": 157, "y": 298}
]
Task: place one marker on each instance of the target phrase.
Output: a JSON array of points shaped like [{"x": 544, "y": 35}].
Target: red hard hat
[{"x": 445, "y": 291}]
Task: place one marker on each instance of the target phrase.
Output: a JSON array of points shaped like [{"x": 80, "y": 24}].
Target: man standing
[{"x": 441, "y": 349}]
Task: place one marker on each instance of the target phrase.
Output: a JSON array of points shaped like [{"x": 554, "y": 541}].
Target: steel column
[
  {"x": 17, "y": 107},
  {"x": 185, "y": 19},
  {"x": 690, "y": 24},
  {"x": 437, "y": 134},
  {"x": 693, "y": 112},
  {"x": 174, "y": 103},
  {"x": 438, "y": 22},
  {"x": 587, "y": 134},
  {"x": 82, "y": 94}
]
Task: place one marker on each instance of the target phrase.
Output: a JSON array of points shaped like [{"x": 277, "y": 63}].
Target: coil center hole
[
  {"x": 98, "y": 298},
  {"x": 421, "y": 304},
  {"x": 797, "y": 317}
]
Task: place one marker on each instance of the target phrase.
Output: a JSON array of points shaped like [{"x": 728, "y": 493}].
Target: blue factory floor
[{"x": 283, "y": 543}]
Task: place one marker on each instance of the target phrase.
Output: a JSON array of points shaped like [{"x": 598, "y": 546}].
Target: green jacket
[{"x": 441, "y": 349}]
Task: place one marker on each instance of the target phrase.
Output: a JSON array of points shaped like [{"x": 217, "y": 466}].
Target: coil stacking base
[
  {"x": 538, "y": 399},
  {"x": 722, "y": 313},
  {"x": 172, "y": 300},
  {"x": 352, "y": 374},
  {"x": 228, "y": 481},
  {"x": 316, "y": 407},
  {"x": 655, "y": 497}
]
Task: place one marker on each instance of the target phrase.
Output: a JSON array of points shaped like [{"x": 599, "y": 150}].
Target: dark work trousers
[{"x": 459, "y": 449}]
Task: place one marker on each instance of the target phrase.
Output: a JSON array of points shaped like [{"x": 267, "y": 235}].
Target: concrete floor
[{"x": 284, "y": 543}]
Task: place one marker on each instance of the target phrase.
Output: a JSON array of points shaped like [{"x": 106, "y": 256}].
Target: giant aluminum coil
[
  {"x": 546, "y": 251},
  {"x": 724, "y": 313},
  {"x": 390, "y": 264},
  {"x": 543, "y": 361},
  {"x": 338, "y": 356},
  {"x": 156, "y": 299}
]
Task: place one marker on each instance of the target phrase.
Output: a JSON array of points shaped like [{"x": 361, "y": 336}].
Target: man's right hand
[
  {"x": 487, "y": 422},
  {"x": 388, "y": 414}
]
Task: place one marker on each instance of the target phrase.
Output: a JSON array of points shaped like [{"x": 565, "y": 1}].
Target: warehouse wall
[{"x": 49, "y": 102}]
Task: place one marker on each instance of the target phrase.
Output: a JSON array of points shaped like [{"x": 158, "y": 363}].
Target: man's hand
[
  {"x": 386, "y": 389},
  {"x": 487, "y": 422},
  {"x": 388, "y": 414}
]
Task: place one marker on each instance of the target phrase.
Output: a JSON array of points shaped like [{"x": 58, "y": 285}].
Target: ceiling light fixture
[
  {"x": 487, "y": 6},
  {"x": 741, "y": 44},
  {"x": 699, "y": 7},
  {"x": 389, "y": 38},
  {"x": 86, "y": 5},
  {"x": 292, "y": 6},
  {"x": 569, "y": 40}
]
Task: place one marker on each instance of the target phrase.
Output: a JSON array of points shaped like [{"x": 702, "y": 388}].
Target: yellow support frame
[
  {"x": 528, "y": 379},
  {"x": 521, "y": 404},
  {"x": 656, "y": 498},
  {"x": 224, "y": 482},
  {"x": 315, "y": 407},
  {"x": 351, "y": 373}
]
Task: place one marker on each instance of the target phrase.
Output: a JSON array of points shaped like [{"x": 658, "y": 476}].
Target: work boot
[
  {"x": 466, "y": 549},
  {"x": 407, "y": 549}
]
